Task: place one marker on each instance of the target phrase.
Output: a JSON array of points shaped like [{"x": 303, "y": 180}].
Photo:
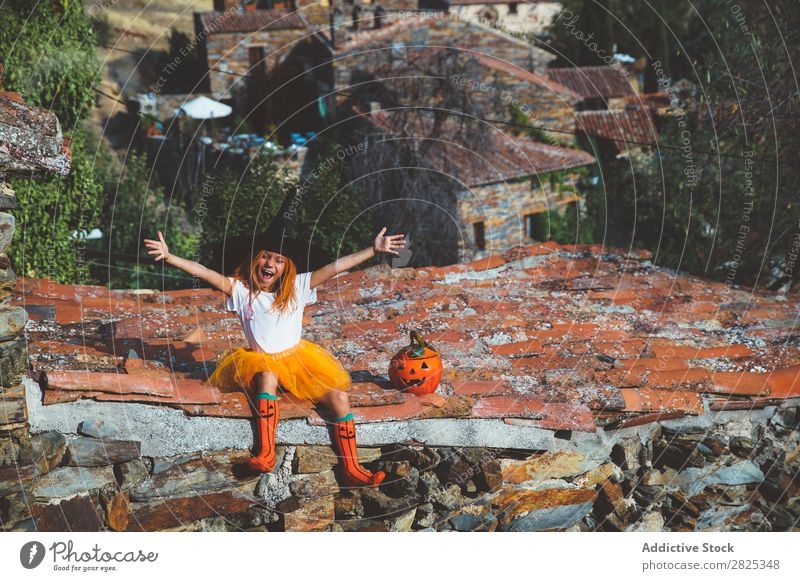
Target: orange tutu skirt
[{"x": 306, "y": 370}]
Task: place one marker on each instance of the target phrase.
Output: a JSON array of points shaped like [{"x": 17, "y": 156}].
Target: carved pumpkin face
[{"x": 416, "y": 369}]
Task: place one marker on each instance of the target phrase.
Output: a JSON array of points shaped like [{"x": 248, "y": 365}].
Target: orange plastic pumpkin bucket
[{"x": 416, "y": 368}]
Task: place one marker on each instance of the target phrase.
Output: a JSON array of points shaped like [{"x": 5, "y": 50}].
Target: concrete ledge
[{"x": 166, "y": 432}]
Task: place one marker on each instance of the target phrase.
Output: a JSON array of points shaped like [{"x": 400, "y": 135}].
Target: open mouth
[
  {"x": 267, "y": 273},
  {"x": 414, "y": 382}
]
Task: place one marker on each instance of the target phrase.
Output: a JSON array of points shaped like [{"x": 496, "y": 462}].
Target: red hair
[{"x": 283, "y": 287}]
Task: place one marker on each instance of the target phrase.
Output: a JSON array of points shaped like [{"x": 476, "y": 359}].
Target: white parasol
[{"x": 204, "y": 108}]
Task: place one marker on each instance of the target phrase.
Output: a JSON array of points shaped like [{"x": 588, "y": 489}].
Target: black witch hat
[{"x": 235, "y": 250}]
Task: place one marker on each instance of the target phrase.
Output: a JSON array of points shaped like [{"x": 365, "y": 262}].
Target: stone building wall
[
  {"x": 387, "y": 48},
  {"x": 542, "y": 106},
  {"x": 503, "y": 209},
  {"x": 229, "y": 53}
]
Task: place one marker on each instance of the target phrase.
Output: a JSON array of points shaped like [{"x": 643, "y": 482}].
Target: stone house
[
  {"x": 461, "y": 193},
  {"x": 526, "y": 17},
  {"x": 240, "y": 45},
  {"x": 370, "y": 49},
  {"x": 543, "y": 102},
  {"x": 326, "y": 70}
]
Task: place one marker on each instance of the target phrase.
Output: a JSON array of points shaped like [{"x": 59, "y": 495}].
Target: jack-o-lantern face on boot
[
  {"x": 347, "y": 434},
  {"x": 417, "y": 369}
]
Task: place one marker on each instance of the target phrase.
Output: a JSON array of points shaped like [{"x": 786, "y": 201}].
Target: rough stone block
[
  {"x": 131, "y": 474},
  {"x": 79, "y": 514},
  {"x": 118, "y": 511},
  {"x": 7, "y": 227},
  {"x": 47, "y": 449},
  {"x": 12, "y": 321},
  {"x": 17, "y": 477},
  {"x": 8, "y": 278},
  {"x": 101, "y": 451},
  {"x": 557, "y": 518},
  {"x": 97, "y": 428},
  {"x": 561, "y": 464},
  {"x": 69, "y": 481},
  {"x": 13, "y": 356},
  {"x": 315, "y": 485},
  {"x": 313, "y": 515},
  {"x": 193, "y": 473},
  {"x": 310, "y": 459},
  {"x": 13, "y": 407},
  {"x": 170, "y": 513}
]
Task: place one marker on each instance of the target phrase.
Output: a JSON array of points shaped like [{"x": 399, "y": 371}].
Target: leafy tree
[
  {"x": 588, "y": 32},
  {"x": 48, "y": 48},
  {"x": 55, "y": 214},
  {"x": 180, "y": 68},
  {"x": 331, "y": 211},
  {"x": 134, "y": 208},
  {"x": 233, "y": 204}
]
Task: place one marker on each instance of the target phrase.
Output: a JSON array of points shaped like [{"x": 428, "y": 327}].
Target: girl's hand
[
  {"x": 389, "y": 244},
  {"x": 158, "y": 247}
]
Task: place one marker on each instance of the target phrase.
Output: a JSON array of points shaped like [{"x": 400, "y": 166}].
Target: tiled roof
[
  {"x": 633, "y": 125},
  {"x": 500, "y": 158},
  {"x": 251, "y": 21},
  {"x": 579, "y": 338},
  {"x": 593, "y": 82},
  {"x": 363, "y": 38}
]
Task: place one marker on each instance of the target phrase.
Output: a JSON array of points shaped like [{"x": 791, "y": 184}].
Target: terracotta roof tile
[
  {"x": 501, "y": 158},
  {"x": 545, "y": 351},
  {"x": 251, "y": 21},
  {"x": 618, "y": 126},
  {"x": 593, "y": 82}
]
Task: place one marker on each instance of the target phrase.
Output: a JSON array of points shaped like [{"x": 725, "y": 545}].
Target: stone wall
[
  {"x": 30, "y": 141},
  {"x": 740, "y": 473},
  {"x": 229, "y": 59},
  {"x": 416, "y": 32},
  {"x": 502, "y": 208},
  {"x": 496, "y": 90}
]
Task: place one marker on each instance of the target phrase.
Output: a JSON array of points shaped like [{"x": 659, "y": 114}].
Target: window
[
  {"x": 480, "y": 235},
  {"x": 512, "y": 8},
  {"x": 530, "y": 225}
]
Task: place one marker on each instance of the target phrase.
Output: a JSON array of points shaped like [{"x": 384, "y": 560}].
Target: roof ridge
[{"x": 517, "y": 70}]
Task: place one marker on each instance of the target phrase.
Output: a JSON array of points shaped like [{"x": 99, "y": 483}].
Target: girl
[{"x": 269, "y": 294}]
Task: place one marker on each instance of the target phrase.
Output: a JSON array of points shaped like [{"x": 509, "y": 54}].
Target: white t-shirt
[{"x": 268, "y": 331}]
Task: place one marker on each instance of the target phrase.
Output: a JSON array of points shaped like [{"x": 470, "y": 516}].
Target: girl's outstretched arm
[
  {"x": 161, "y": 250},
  {"x": 387, "y": 244}
]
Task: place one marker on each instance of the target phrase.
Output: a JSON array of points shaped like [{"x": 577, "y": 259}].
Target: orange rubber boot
[
  {"x": 344, "y": 435},
  {"x": 267, "y": 427}
]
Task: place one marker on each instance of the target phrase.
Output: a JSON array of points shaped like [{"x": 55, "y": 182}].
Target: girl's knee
[{"x": 334, "y": 398}]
